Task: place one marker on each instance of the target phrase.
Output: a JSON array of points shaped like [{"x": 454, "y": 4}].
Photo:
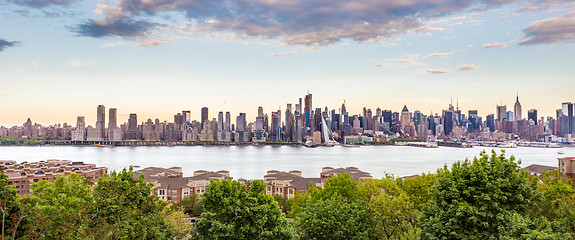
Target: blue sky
[{"x": 61, "y": 58}]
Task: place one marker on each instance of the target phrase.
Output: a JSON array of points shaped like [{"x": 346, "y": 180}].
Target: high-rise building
[
  {"x": 501, "y": 112},
  {"x": 447, "y": 122},
  {"x": 405, "y": 118},
  {"x": 517, "y": 109},
  {"x": 242, "y": 134},
  {"x": 132, "y": 132},
  {"x": 260, "y": 112},
  {"x": 113, "y": 118},
  {"x": 101, "y": 122},
  {"x": 490, "y": 122},
  {"x": 308, "y": 110},
  {"x": 187, "y": 116},
  {"x": 204, "y": 115},
  {"x": 276, "y": 127},
  {"x": 532, "y": 115},
  {"x": 474, "y": 123},
  {"x": 227, "y": 122},
  {"x": 220, "y": 121},
  {"x": 568, "y": 120},
  {"x": 509, "y": 116},
  {"x": 79, "y": 134}
]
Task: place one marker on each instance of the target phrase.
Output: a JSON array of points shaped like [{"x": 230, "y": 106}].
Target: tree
[
  {"x": 334, "y": 219},
  {"x": 393, "y": 215},
  {"x": 12, "y": 213},
  {"x": 338, "y": 210},
  {"x": 417, "y": 188},
  {"x": 125, "y": 209},
  {"x": 177, "y": 221},
  {"x": 233, "y": 212},
  {"x": 191, "y": 205},
  {"x": 477, "y": 199},
  {"x": 61, "y": 210}
]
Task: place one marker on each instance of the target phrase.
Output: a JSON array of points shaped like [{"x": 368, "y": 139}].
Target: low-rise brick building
[{"x": 22, "y": 175}]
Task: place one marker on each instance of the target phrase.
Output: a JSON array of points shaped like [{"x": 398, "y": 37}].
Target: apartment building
[
  {"x": 170, "y": 185},
  {"x": 288, "y": 184},
  {"x": 23, "y": 175}
]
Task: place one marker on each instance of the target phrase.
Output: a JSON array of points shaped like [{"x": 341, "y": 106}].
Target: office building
[
  {"x": 517, "y": 110},
  {"x": 204, "y": 115},
  {"x": 532, "y": 115},
  {"x": 101, "y": 123}
]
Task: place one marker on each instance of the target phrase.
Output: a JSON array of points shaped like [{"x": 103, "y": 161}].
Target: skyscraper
[
  {"x": 308, "y": 110},
  {"x": 501, "y": 112},
  {"x": 113, "y": 118},
  {"x": 204, "y": 115},
  {"x": 517, "y": 110},
  {"x": 532, "y": 114},
  {"x": 227, "y": 122},
  {"x": 79, "y": 134},
  {"x": 187, "y": 116},
  {"x": 101, "y": 122},
  {"x": 568, "y": 120}
]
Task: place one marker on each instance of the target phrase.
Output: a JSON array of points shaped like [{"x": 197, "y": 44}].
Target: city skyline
[
  {"x": 91, "y": 117},
  {"x": 60, "y": 58}
]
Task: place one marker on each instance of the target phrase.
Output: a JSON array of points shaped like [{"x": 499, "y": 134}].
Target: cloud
[
  {"x": 120, "y": 27},
  {"x": 467, "y": 67},
  {"x": 380, "y": 65},
  {"x": 541, "y": 5},
  {"x": 294, "y": 22},
  {"x": 494, "y": 45},
  {"x": 42, "y": 3},
  {"x": 437, "y": 71},
  {"x": 552, "y": 30},
  {"x": 437, "y": 54},
  {"x": 4, "y": 44}
]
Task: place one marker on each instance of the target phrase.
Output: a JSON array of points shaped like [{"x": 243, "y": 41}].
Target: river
[{"x": 252, "y": 162}]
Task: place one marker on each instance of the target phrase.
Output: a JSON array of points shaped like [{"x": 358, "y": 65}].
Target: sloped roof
[{"x": 536, "y": 168}]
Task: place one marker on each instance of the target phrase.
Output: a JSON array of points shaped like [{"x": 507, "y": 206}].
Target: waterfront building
[
  {"x": 568, "y": 118},
  {"x": 113, "y": 125},
  {"x": 79, "y": 134},
  {"x": 22, "y": 175},
  {"x": 132, "y": 132},
  {"x": 101, "y": 123},
  {"x": 276, "y": 127},
  {"x": 242, "y": 134}
]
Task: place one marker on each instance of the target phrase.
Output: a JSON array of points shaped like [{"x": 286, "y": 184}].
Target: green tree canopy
[
  {"x": 233, "y": 212},
  {"x": 62, "y": 209},
  {"x": 125, "y": 208},
  {"x": 477, "y": 199}
]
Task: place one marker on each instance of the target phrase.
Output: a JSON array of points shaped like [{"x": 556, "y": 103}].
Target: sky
[{"x": 60, "y": 59}]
